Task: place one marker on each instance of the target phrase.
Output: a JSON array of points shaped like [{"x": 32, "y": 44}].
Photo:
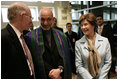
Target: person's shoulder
[
  {"x": 33, "y": 31},
  {"x": 4, "y": 32},
  {"x": 66, "y": 32},
  {"x": 29, "y": 35},
  {"x": 74, "y": 33},
  {"x": 59, "y": 28},
  {"x": 99, "y": 37},
  {"x": 107, "y": 27},
  {"x": 5, "y": 29},
  {"x": 59, "y": 32},
  {"x": 82, "y": 40}
]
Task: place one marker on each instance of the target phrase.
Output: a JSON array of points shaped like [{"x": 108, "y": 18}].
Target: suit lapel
[
  {"x": 14, "y": 37},
  {"x": 84, "y": 42},
  {"x": 98, "y": 41},
  {"x": 15, "y": 41}
]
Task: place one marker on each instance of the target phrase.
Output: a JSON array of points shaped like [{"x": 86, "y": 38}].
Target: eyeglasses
[{"x": 29, "y": 16}]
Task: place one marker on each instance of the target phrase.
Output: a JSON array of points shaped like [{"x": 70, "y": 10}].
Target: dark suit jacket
[
  {"x": 71, "y": 37},
  {"x": 13, "y": 61},
  {"x": 108, "y": 33}
]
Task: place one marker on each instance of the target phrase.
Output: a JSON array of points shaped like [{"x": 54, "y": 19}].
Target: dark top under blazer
[{"x": 13, "y": 61}]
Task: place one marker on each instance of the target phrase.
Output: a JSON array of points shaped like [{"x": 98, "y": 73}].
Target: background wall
[{"x": 62, "y": 11}]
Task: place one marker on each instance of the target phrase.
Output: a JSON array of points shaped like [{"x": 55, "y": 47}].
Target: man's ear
[{"x": 22, "y": 13}]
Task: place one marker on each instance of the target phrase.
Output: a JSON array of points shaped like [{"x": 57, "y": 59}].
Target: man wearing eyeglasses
[{"x": 16, "y": 60}]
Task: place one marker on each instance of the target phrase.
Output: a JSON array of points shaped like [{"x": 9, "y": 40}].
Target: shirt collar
[
  {"x": 18, "y": 33},
  {"x": 101, "y": 26}
]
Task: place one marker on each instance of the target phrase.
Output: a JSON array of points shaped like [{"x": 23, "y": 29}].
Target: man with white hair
[{"x": 16, "y": 60}]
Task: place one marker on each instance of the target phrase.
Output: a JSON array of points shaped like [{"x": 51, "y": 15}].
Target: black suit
[
  {"x": 13, "y": 61},
  {"x": 107, "y": 32},
  {"x": 73, "y": 38}
]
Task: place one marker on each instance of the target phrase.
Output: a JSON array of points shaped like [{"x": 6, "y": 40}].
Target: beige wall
[{"x": 62, "y": 11}]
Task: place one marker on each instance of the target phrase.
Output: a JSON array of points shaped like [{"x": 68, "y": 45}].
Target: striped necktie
[{"x": 28, "y": 57}]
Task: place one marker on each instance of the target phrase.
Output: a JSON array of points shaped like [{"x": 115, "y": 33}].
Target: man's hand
[{"x": 55, "y": 74}]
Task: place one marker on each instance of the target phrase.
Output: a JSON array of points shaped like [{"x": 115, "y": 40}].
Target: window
[
  {"x": 114, "y": 15},
  {"x": 75, "y": 15},
  {"x": 90, "y": 2},
  {"x": 47, "y": 1},
  {"x": 31, "y": 1},
  {"x": 85, "y": 11},
  {"x": 106, "y": 2},
  {"x": 85, "y": 2},
  {"x": 106, "y": 15},
  {"x": 34, "y": 12},
  {"x": 114, "y": 6},
  {"x": 75, "y": 28},
  {"x": 75, "y": 2},
  {"x": 4, "y": 13}
]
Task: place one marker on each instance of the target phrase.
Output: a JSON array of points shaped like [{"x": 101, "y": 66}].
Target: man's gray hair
[{"x": 14, "y": 10}]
